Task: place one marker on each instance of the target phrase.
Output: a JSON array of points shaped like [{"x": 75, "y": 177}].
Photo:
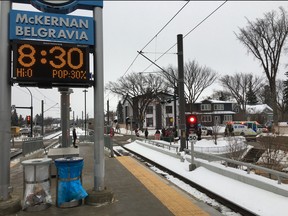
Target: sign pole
[
  {"x": 5, "y": 102},
  {"x": 8, "y": 203},
  {"x": 99, "y": 194}
]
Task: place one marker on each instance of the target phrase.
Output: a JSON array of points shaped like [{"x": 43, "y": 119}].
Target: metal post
[
  {"x": 99, "y": 194},
  {"x": 65, "y": 108},
  {"x": 108, "y": 117},
  {"x": 98, "y": 102},
  {"x": 181, "y": 92},
  {"x": 175, "y": 108},
  {"x": 5, "y": 101},
  {"x": 192, "y": 166},
  {"x": 82, "y": 121},
  {"x": 31, "y": 117},
  {"x": 42, "y": 111},
  {"x": 85, "y": 121}
]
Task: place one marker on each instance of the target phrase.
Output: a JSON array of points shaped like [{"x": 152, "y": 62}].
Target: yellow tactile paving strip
[{"x": 176, "y": 202}]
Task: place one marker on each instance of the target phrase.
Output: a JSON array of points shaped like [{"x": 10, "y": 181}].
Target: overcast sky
[{"x": 130, "y": 25}]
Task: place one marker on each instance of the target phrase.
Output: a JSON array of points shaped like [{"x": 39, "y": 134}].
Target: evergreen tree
[
  {"x": 120, "y": 113},
  {"x": 251, "y": 96},
  {"x": 14, "y": 118},
  {"x": 265, "y": 96}
]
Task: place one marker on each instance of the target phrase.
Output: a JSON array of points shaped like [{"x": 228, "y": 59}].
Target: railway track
[{"x": 222, "y": 200}]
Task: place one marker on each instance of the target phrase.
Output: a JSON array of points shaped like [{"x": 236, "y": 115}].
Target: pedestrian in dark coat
[
  {"x": 74, "y": 138},
  {"x": 146, "y": 134}
]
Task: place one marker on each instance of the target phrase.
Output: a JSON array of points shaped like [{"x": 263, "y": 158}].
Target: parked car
[
  {"x": 25, "y": 131},
  {"x": 206, "y": 130}
]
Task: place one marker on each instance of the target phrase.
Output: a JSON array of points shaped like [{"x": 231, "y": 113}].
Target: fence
[
  {"x": 30, "y": 145},
  {"x": 159, "y": 144},
  {"x": 108, "y": 142},
  {"x": 239, "y": 164}
]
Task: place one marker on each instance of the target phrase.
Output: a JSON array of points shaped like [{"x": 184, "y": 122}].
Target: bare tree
[
  {"x": 265, "y": 39},
  {"x": 139, "y": 90},
  {"x": 196, "y": 79},
  {"x": 274, "y": 153},
  {"x": 238, "y": 85},
  {"x": 216, "y": 132},
  {"x": 221, "y": 95},
  {"x": 236, "y": 146}
]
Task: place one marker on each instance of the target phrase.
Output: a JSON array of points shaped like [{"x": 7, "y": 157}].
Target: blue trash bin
[{"x": 69, "y": 176}]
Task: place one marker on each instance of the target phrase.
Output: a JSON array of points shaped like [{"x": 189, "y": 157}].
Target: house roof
[
  {"x": 216, "y": 113},
  {"x": 259, "y": 108},
  {"x": 214, "y": 101}
]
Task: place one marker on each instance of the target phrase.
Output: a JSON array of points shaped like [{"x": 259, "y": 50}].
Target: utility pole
[{"x": 182, "y": 125}]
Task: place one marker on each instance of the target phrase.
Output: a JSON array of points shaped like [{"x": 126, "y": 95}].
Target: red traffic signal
[
  {"x": 191, "y": 119},
  {"x": 28, "y": 118}
]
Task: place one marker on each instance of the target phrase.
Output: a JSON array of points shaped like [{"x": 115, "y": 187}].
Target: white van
[{"x": 243, "y": 130}]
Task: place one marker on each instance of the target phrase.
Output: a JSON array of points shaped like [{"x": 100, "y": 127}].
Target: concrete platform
[{"x": 131, "y": 197}]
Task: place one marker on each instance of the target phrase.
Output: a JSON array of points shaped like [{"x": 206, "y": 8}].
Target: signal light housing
[
  {"x": 191, "y": 120},
  {"x": 28, "y": 119}
]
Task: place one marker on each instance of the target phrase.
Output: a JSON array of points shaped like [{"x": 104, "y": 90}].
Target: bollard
[
  {"x": 37, "y": 181},
  {"x": 192, "y": 166}
]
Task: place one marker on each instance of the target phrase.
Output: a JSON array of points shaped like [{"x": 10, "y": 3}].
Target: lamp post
[
  {"x": 31, "y": 118},
  {"x": 85, "y": 91}
]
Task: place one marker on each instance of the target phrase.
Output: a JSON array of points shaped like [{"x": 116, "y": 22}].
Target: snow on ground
[{"x": 259, "y": 201}]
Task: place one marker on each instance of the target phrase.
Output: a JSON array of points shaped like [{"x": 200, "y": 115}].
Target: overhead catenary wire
[
  {"x": 156, "y": 35},
  {"x": 189, "y": 32},
  {"x": 209, "y": 15}
]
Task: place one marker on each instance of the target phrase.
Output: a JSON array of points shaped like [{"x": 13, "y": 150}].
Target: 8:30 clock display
[{"x": 48, "y": 62}]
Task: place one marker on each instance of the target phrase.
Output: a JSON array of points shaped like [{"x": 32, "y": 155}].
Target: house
[
  {"x": 259, "y": 112},
  {"x": 157, "y": 113},
  {"x": 162, "y": 111},
  {"x": 212, "y": 112}
]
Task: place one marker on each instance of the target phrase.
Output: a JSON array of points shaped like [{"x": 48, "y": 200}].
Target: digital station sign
[{"x": 52, "y": 64}]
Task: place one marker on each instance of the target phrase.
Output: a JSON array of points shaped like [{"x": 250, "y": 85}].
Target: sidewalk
[{"x": 132, "y": 198}]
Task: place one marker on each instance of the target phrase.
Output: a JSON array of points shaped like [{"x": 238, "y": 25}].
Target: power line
[
  {"x": 156, "y": 35},
  {"x": 189, "y": 32},
  {"x": 165, "y": 25},
  {"x": 45, "y": 95}
]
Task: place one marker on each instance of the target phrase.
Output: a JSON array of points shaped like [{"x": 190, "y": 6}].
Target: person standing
[
  {"x": 146, "y": 134},
  {"x": 74, "y": 138}
]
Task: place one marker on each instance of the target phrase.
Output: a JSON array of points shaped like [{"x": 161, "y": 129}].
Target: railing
[
  {"x": 248, "y": 166},
  {"x": 30, "y": 145},
  {"x": 159, "y": 143},
  {"x": 108, "y": 143},
  {"x": 219, "y": 149},
  {"x": 205, "y": 160}
]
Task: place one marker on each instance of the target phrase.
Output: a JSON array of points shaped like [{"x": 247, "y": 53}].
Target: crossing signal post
[
  {"x": 191, "y": 124},
  {"x": 191, "y": 128}
]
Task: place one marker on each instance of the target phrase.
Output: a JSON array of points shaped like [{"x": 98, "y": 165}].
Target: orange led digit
[
  {"x": 23, "y": 55},
  {"x": 59, "y": 57},
  {"x": 69, "y": 58}
]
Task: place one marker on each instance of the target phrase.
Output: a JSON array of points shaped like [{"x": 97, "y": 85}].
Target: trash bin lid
[
  {"x": 37, "y": 161},
  {"x": 68, "y": 159}
]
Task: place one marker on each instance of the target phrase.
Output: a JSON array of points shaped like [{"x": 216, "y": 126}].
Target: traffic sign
[{"x": 192, "y": 137}]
